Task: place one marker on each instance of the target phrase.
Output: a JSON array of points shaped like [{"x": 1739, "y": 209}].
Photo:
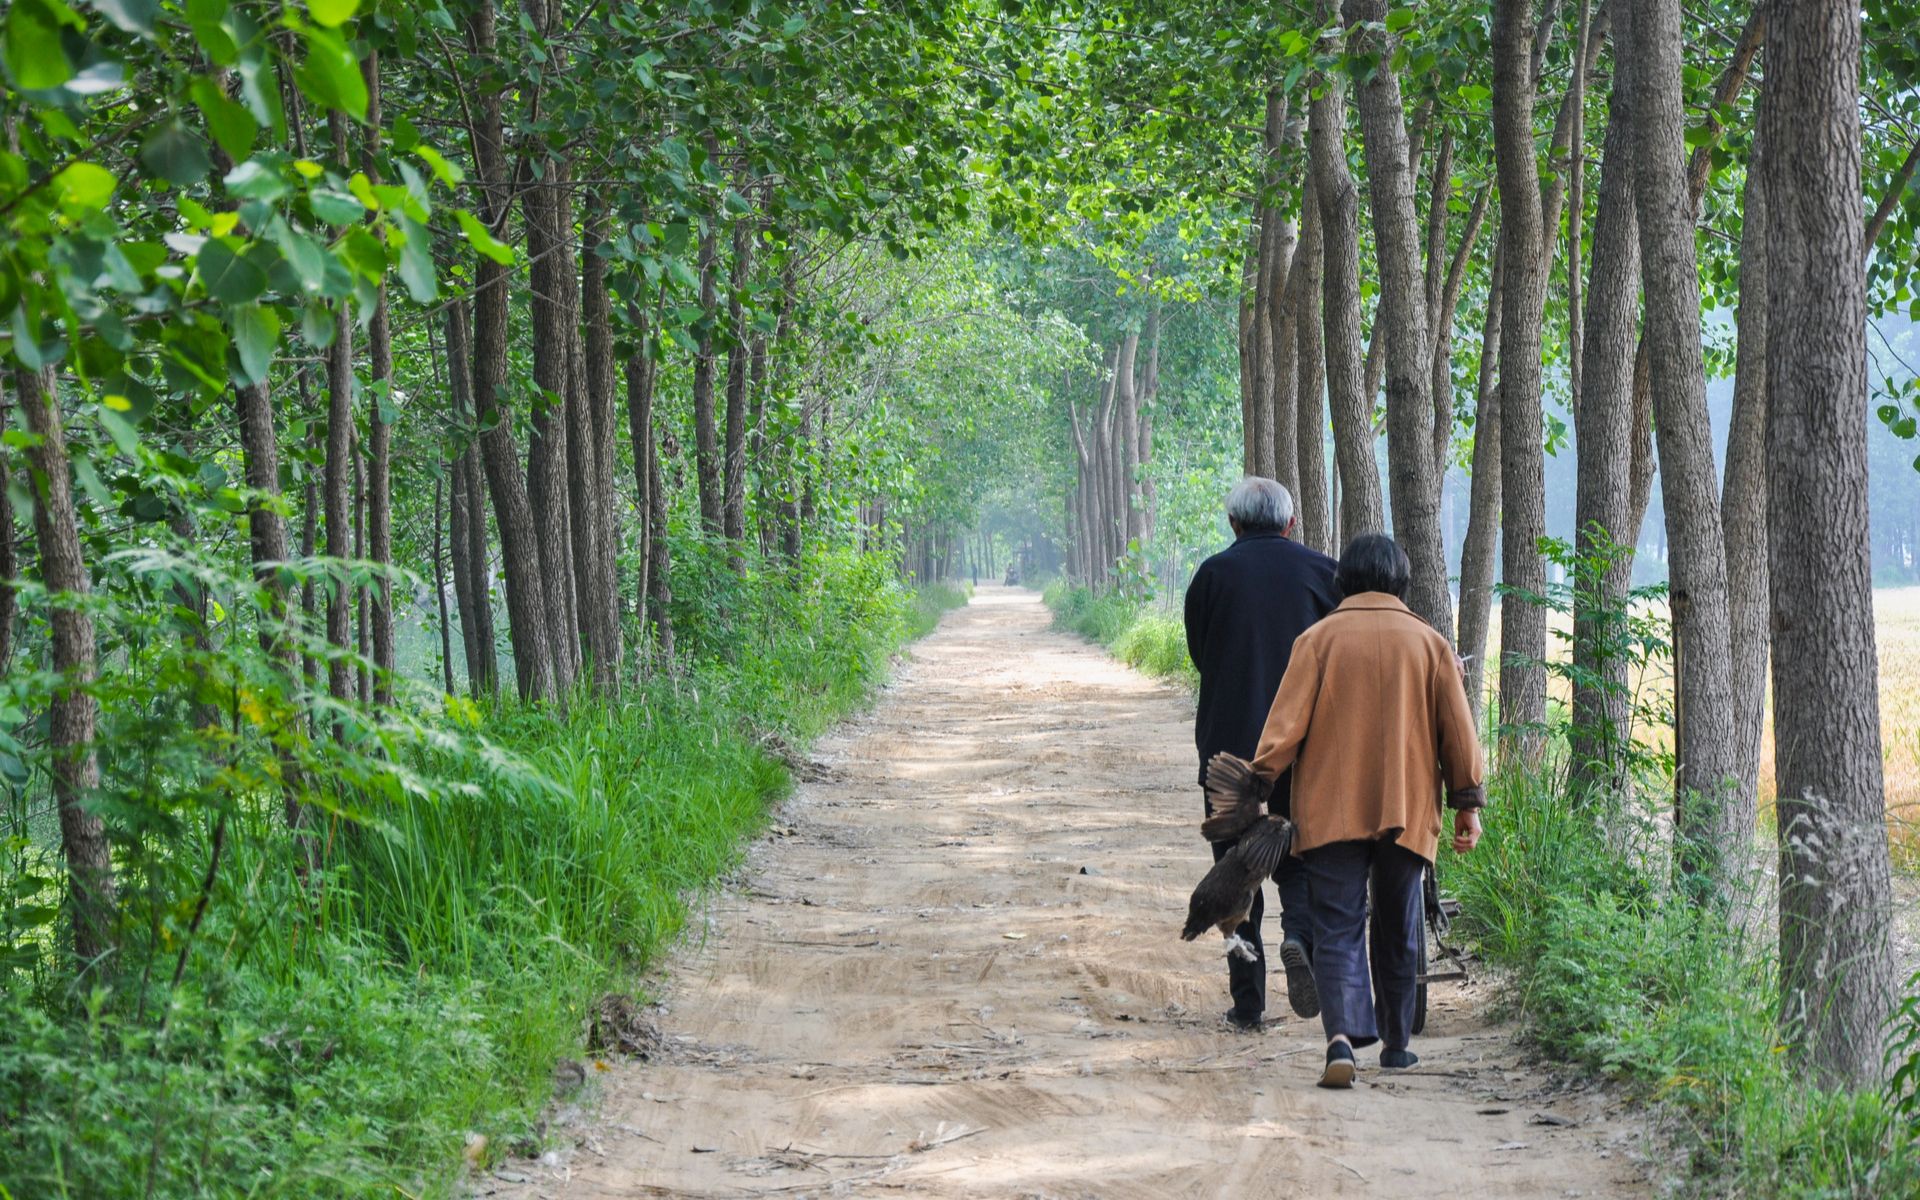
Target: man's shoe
[
  {"x": 1398, "y": 1060},
  {"x": 1340, "y": 1066},
  {"x": 1242, "y": 1022},
  {"x": 1302, "y": 993}
]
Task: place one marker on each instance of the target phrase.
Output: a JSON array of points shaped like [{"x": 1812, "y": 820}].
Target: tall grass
[
  {"x": 1615, "y": 975},
  {"x": 356, "y": 1035},
  {"x": 1147, "y": 638}
]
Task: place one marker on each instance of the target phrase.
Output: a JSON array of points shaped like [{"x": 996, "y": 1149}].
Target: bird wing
[
  {"x": 1227, "y": 890},
  {"x": 1236, "y": 798},
  {"x": 1263, "y": 849}
]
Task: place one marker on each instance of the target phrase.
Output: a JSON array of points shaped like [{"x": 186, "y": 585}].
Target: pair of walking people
[{"x": 1355, "y": 710}]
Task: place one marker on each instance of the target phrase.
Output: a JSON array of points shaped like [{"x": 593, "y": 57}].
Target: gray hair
[{"x": 1260, "y": 503}]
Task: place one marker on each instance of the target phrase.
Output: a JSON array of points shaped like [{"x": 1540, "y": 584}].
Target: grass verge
[
  {"x": 1146, "y": 638},
  {"x": 1611, "y": 973},
  {"x": 359, "y": 1036}
]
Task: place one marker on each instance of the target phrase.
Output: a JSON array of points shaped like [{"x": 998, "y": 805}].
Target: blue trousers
[
  {"x": 1337, "y": 879},
  {"x": 1247, "y": 981}
]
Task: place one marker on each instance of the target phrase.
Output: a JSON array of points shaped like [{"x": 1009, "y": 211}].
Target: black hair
[{"x": 1373, "y": 562}]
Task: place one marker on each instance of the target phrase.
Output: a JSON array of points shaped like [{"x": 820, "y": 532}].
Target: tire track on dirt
[{"x": 953, "y": 970}]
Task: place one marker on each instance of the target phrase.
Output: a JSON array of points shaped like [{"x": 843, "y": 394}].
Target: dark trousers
[
  {"x": 1248, "y": 980},
  {"x": 1337, "y": 879}
]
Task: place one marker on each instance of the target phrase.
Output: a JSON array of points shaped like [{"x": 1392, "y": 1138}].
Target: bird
[{"x": 1236, "y": 809}]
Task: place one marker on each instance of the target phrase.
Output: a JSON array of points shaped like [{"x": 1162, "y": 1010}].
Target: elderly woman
[{"x": 1372, "y": 717}]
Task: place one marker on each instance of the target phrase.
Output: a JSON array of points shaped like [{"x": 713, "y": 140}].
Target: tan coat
[{"x": 1373, "y": 719}]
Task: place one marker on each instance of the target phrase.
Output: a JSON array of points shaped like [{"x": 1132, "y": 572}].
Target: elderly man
[{"x": 1245, "y": 607}]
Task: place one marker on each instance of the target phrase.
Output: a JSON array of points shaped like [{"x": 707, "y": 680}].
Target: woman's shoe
[
  {"x": 1340, "y": 1066},
  {"x": 1398, "y": 1060}
]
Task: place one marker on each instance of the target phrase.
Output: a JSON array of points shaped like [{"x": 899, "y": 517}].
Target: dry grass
[{"x": 1897, "y": 615}]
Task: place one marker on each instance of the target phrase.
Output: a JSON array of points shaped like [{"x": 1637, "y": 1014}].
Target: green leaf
[
  {"x": 481, "y": 240},
  {"x": 35, "y": 55},
  {"x": 227, "y": 276},
  {"x": 306, "y": 256},
  {"x": 254, "y": 180},
  {"x": 175, "y": 154},
  {"x": 332, "y": 13},
  {"x": 335, "y": 207},
  {"x": 1399, "y": 19},
  {"x": 330, "y": 74},
  {"x": 130, "y": 16},
  {"x": 230, "y": 123},
  {"x": 416, "y": 262},
  {"x": 443, "y": 170},
  {"x": 83, "y": 185},
  {"x": 256, "y": 330}
]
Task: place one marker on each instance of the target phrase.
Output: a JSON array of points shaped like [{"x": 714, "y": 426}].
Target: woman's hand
[{"x": 1466, "y": 830}]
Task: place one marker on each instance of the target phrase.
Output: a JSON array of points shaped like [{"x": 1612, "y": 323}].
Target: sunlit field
[{"x": 1897, "y": 613}]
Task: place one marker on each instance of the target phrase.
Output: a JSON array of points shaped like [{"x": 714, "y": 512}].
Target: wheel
[{"x": 1420, "y": 987}]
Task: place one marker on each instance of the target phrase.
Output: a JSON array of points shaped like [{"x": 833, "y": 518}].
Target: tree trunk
[
  {"x": 1577, "y": 217},
  {"x": 546, "y": 210},
  {"x": 1361, "y": 507},
  {"x": 1704, "y": 737},
  {"x": 1127, "y": 437},
  {"x": 440, "y": 578},
  {"x": 734, "y": 506},
  {"x": 72, "y": 713},
  {"x": 706, "y": 436},
  {"x": 1310, "y": 364},
  {"x": 1604, "y": 449},
  {"x": 470, "y": 582},
  {"x": 1415, "y": 483},
  {"x": 1249, "y": 288},
  {"x": 379, "y": 430},
  {"x": 1743, "y": 497},
  {"x": 527, "y": 616},
  {"x": 1149, "y": 395},
  {"x": 1523, "y": 626},
  {"x": 1836, "y": 966},
  {"x": 1481, "y": 549},
  {"x": 602, "y": 615},
  {"x": 1442, "y": 331},
  {"x": 339, "y": 473}
]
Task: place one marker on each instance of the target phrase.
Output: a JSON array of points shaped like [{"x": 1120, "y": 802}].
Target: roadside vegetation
[{"x": 357, "y": 1032}]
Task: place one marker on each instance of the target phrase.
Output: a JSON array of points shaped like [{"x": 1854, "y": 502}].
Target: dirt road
[{"x": 954, "y": 970}]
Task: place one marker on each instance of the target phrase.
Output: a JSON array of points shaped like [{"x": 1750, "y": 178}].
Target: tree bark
[
  {"x": 1479, "y": 552},
  {"x": 1604, "y": 450},
  {"x": 1310, "y": 363},
  {"x": 1442, "y": 330},
  {"x": 1523, "y": 626},
  {"x": 1743, "y": 497},
  {"x": 1415, "y": 482},
  {"x": 600, "y": 610},
  {"x": 706, "y": 437},
  {"x": 72, "y": 714},
  {"x": 546, "y": 209},
  {"x": 1704, "y": 831},
  {"x": 734, "y": 515},
  {"x": 339, "y": 473},
  {"x": 469, "y": 516},
  {"x": 1361, "y": 507},
  {"x": 379, "y": 431},
  {"x": 527, "y": 616},
  {"x": 1836, "y": 965},
  {"x": 1127, "y": 435}
]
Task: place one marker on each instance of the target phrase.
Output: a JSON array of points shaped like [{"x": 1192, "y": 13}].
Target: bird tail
[{"x": 1236, "y": 798}]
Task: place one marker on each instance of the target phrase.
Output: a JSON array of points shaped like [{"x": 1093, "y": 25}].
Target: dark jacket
[{"x": 1245, "y": 607}]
